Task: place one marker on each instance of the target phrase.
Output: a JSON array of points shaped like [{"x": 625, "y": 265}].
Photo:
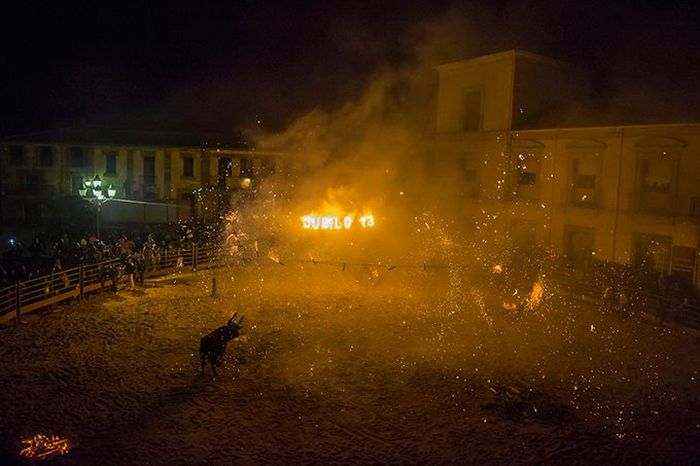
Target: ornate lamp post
[{"x": 93, "y": 191}]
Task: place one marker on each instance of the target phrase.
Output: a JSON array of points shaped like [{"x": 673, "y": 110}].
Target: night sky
[{"x": 221, "y": 66}]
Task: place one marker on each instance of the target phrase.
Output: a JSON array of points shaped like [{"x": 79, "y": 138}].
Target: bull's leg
[
  {"x": 213, "y": 366},
  {"x": 203, "y": 357}
]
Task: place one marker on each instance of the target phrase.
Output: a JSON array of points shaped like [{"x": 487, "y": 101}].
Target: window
[
  {"x": 583, "y": 177},
  {"x": 246, "y": 168},
  {"x": 656, "y": 179},
  {"x": 16, "y": 156},
  {"x": 268, "y": 166},
  {"x": 225, "y": 170},
  {"x": 45, "y": 156},
  {"x": 472, "y": 110},
  {"x": 470, "y": 177},
  {"x": 585, "y": 181},
  {"x": 651, "y": 252},
  {"x": 186, "y": 206},
  {"x": 656, "y": 175},
  {"x": 579, "y": 243},
  {"x": 76, "y": 157},
  {"x": 187, "y": 165},
  {"x": 149, "y": 169},
  {"x": 32, "y": 213},
  {"x": 527, "y": 167},
  {"x": 33, "y": 181},
  {"x": 110, "y": 163}
]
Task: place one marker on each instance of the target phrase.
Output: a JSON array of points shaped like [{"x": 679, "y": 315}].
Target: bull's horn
[
  {"x": 232, "y": 317},
  {"x": 239, "y": 322}
]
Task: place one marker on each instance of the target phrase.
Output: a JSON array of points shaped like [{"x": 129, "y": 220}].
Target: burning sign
[{"x": 337, "y": 222}]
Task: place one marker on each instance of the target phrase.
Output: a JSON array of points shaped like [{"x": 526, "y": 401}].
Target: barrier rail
[
  {"x": 581, "y": 286},
  {"x": 73, "y": 283}
]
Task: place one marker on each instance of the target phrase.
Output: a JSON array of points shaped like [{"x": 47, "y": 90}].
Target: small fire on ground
[{"x": 41, "y": 447}]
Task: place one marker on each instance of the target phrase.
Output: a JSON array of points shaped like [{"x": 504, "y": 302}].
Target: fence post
[
  {"x": 18, "y": 302},
  {"x": 81, "y": 279},
  {"x": 194, "y": 257}
]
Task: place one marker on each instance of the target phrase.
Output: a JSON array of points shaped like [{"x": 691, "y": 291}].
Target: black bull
[{"x": 213, "y": 345}]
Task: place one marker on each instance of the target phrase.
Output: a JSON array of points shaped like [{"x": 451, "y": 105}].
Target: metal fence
[{"x": 74, "y": 283}]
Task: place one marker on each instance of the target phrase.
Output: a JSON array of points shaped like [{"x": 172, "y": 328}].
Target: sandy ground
[{"x": 348, "y": 367}]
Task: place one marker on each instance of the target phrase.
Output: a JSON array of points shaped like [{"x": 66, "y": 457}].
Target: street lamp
[{"x": 97, "y": 194}]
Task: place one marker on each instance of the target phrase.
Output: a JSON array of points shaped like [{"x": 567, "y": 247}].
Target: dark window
[
  {"x": 651, "y": 252},
  {"x": 187, "y": 166},
  {"x": 268, "y": 166},
  {"x": 579, "y": 243},
  {"x": 33, "y": 181},
  {"x": 76, "y": 182},
  {"x": 149, "y": 169},
  {"x": 527, "y": 177},
  {"x": 76, "y": 157},
  {"x": 45, "y": 156},
  {"x": 472, "y": 111},
  {"x": 32, "y": 213},
  {"x": 110, "y": 163},
  {"x": 527, "y": 168},
  {"x": 585, "y": 181},
  {"x": 225, "y": 167},
  {"x": 246, "y": 168},
  {"x": 187, "y": 206},
  {"x": 16, "y": 155}
]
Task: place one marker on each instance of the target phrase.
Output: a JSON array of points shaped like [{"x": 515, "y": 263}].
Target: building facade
[
  {"x": 165, "y": 182},
  {"x": 625, "y": 193}
]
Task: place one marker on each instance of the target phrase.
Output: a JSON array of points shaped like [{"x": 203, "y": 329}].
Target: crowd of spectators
[{"x": 51, "y": 254}]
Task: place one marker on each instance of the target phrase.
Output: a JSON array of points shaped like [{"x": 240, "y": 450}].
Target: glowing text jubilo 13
[{"x": 336, "y": 222}]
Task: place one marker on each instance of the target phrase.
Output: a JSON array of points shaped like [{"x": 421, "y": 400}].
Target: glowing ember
[
  {"x": 498, "y": 268},
  {"x": 336, "y": 222},
  {"x": 512, "y": 307},
  {"x": 41, "y": 447}
]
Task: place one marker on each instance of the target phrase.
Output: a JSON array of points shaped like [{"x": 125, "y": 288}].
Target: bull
[{"x": 213, "y": 345}]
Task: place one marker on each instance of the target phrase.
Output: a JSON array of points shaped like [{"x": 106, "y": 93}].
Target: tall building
[{"x": 627, "y": 193}]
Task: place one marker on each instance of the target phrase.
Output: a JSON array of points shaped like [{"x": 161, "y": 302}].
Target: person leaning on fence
[
  {"x": 623, "y": 303},
  {"x": 608, "y": 300}
]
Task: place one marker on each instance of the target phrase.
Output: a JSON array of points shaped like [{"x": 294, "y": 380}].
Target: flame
[
  {"x": 536, "y": 294},
  {"x": 498, "y": 268},
  {"x": 512, "y": 307},
  {"x": 41, "y": 447}
]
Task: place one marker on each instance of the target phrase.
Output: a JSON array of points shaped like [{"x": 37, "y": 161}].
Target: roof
[
  {"x": 101, "y": 135},
  {"x": 507, "y": 54}
]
